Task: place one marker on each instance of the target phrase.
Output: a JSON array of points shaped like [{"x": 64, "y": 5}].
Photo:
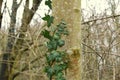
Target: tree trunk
[
  {"x": 69, "y": 11},
  {"x": 0, "y": 13},
  {"x": 20, "y": 42},
  {"x": 7, "y": 62},
  {"x": 27, "y": 17}
]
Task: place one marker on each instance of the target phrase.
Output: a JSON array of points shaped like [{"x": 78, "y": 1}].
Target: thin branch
[
  {"x": 26, "y": 66},
  {"x": 113, "y": 16},
  {"x": 92, "y": 50},
  {"x": 115, "y": 54}
]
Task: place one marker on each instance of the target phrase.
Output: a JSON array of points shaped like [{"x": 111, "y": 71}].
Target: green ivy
[
  {"x": 48, "y": 3},
  {"x": 49, "y": 19},
  {"x": 56, "y": 60}
]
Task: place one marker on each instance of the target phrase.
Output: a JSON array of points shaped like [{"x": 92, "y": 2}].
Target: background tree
[
  {"x": 6, "y": 68},
  {"x": 1, "y": 12},
  {"x": 100, "y": 42}
]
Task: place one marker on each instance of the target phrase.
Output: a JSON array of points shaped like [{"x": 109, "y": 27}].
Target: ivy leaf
[
  {"x": 61, "y": 43},
  {"x": 62, "y": 24},
  {"x": 63, "y": 65},
  {"x": 57, "y": 68},
  {"x": 52, "y": 45},
  {"x": 56, "y": 36},
  {"x": 49, "y": 19},
  {"x": 66, "y": 32},
  {"x": 61, "y": 78},
  {"x": 50, "y": 58},
  {"x": 48, "y": 3},
  {"x": 46, "y": 34},
  {"x": 49, "y": 71},
  {"x": 57, "y": 56},
  {"x": 60, "y": 74},
  {"x": 62, "y": 28},
  {"x": 55, "y": 53},
  {"x": 58, "y": 59}
]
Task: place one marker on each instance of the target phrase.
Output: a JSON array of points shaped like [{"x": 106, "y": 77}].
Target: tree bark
[
  {"x": 27, "y": 16},
  {"x": 6, "y": 66},
  {"x": 26, "y": 19},
  {"x": 69, "y": 11},
  {"x": 0, "y": 13}
]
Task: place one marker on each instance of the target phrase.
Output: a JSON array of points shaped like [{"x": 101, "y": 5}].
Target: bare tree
[
  {"x": 9, "y": 57},
  {"x": 101, "y": 44},
  {"x": 1, "y": 12}
]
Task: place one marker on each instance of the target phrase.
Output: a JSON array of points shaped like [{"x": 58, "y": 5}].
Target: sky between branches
[
  {"x": 98, "y": 6},
  {"x": 37, "y": 17}
]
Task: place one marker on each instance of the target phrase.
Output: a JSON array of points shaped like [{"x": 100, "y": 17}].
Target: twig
[
  {"x": 92, "y": 50},
  {"x": 113, "y": 16}
]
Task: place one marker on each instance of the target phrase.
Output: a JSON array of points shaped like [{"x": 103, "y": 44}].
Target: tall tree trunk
[
  {"x": 69, "y": 11},
  {"x": 0, "y": 12},
  {"x": 7, "y": 62},
  {"x": 26, "y": 19}
]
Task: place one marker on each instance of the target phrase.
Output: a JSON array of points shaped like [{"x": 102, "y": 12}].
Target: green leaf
[
  {"x": 62, "y": 24},
  {"x": 50, "y": 71},
  {"x": 61, "y": 43},
  {"x": 49, "y": 19},
  {"x": 50, "y": 58},
  {"x": 57, "y": 55},
  {"x": 58, "y": 59},
  {"x": 61, "y": 78},
  {"x": 47, "y": 68},
  {"x": 60, "y": 74},
  {"x": 48, "y": 3},
  {"x": 63, "y": 65},
  {"x": 46, "y": 34},
  {"x": 62, "y": 28},
  {"x": 56, "y": 36},
  {"x": 49, "y": 46},
  {"x": 66, "y": 32},
  {"x": 52, "y": 45},
  {"x": 57, "y": 68}
]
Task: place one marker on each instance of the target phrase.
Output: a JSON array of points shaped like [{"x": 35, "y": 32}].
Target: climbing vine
[{"x": 56, "y": 59}]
